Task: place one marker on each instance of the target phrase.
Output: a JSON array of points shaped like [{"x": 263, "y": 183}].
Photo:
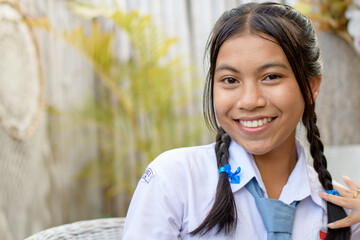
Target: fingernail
[
  {"x": 330, "y": 225},
  {"x": 346, "y": 177}
]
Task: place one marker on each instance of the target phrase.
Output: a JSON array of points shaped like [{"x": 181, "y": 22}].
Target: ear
[{"x": 315, "y": 83}]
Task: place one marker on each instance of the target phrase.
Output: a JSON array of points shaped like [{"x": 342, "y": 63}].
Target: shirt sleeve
[
  {"x": 155, "y": 211},
  {"x": 355, "y": 229}
]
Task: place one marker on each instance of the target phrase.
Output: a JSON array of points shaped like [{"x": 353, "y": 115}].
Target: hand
[{"x": 347, "y": 201}]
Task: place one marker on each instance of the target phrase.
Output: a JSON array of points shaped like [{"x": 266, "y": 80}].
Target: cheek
[
  {"x": 291, "y": 102},
  {"x": 222, "y": 102},
  {"x": 221, "y": 105}
]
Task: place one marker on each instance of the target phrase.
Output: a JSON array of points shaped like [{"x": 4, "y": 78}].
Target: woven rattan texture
[{"x": 106, "y": 228}]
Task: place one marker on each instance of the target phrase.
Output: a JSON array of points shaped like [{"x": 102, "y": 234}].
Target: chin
[{"x": 256, "y": 150}]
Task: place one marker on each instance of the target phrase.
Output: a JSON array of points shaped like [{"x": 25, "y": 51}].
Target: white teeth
[{"x": 256, "y": 123}]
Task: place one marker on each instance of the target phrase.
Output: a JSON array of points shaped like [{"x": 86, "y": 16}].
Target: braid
[
  {"x": 320, "y": 165},
  {"x": 222, "y": 148},
  {"x": 223, "y": 213},
  {"x": 317, "y": 152}
]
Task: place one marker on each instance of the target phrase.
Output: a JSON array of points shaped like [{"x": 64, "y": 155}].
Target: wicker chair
[{"x": 105, "y": 228}]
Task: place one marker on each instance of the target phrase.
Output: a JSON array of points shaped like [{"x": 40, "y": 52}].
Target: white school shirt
[{"x": 178, "y": 189}]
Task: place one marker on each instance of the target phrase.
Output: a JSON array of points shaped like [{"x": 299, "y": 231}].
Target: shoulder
[
  {"x": 314, "y": 179},
  {"x": 182, "y": 164},
  {"x": 188, "y": 151},
  {"x": 316, "y": 187},
  {"x": 182, "y": 173},
  {"x": 184, "y": 157}
]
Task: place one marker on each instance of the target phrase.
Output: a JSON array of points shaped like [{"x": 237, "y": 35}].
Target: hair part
[{"x": 296, "y": 36}]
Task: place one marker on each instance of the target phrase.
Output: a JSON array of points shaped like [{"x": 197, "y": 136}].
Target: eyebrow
[
  {"x": 259, "y": 69},
  {"x": 226, "y": 67}
]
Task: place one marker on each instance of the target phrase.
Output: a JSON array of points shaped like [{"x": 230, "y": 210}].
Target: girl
[{"x": 253, "y": 183}]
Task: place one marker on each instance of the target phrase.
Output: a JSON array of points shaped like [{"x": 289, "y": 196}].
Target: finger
[
  {"x": 349, "y": 203},
  {"x": 345, "y": 222},
  {"x": 350, "y": 183},
  {"x": 344, "y": 191}
]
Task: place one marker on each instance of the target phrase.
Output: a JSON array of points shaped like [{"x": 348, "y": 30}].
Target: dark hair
[{"x": 296, "y": 36}]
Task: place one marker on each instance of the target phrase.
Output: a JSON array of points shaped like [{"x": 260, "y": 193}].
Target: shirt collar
[
  {"x": 301, "y": 184},
  {"x": 240, "y": 158}
]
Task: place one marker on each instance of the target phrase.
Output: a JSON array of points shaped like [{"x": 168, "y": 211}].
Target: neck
[{"x": 275, "y": 168}]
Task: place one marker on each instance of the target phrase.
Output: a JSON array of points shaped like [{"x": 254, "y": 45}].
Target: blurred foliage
[
  {"x": 328, "y": 15},
  {"x": 141, "y": 107}
]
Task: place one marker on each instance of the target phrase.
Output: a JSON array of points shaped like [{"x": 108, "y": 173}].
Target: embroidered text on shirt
[{"x": 147, "y": 175}]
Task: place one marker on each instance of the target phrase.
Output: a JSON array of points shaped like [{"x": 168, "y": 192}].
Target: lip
[{"x": 254, "y": 130}]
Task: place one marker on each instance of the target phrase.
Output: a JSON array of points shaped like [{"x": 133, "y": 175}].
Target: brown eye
[
  {"x": 230, "y": 80},
  {"x": 272, "y": 77}
]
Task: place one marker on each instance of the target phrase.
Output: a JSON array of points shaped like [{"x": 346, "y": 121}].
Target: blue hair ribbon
[
  {"x": 333, "y": 192},
  {"x": 234, "y": 176}
]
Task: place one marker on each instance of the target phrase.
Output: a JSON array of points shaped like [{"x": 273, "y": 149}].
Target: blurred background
[{"x": 92, "y": 91}]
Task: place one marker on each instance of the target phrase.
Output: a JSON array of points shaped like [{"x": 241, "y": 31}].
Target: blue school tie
[{"x": 278, "y": 217}]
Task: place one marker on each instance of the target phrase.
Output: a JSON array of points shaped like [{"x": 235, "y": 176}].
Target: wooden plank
[{"x": 338, "y": 104}]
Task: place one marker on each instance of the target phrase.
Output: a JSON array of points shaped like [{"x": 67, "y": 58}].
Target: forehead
[{"x": 250, "y": 50}]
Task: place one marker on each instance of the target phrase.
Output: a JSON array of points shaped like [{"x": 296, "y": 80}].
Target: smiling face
[{"x": 257, "y": 99}]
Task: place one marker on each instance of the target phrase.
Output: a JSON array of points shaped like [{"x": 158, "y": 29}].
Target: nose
[{"x": 251, "y": 96}]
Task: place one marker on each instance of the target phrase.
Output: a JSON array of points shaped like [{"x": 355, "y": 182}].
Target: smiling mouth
[{"x": 256, "y": 123}]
